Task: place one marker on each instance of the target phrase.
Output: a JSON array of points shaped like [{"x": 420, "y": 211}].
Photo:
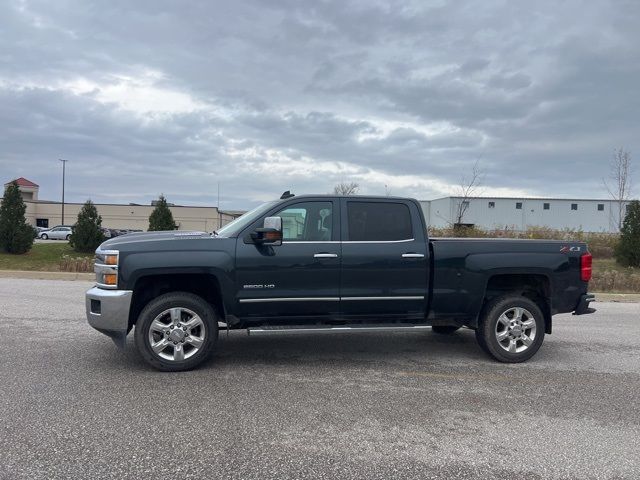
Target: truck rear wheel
[
  {"x": 444, "y": 330},
  {"x": 511, "y": 328},
  {"x": 176, "y": 331}
]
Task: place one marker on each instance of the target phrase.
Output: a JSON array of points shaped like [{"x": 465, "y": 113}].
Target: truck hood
[{"x": 132, "y": 239}]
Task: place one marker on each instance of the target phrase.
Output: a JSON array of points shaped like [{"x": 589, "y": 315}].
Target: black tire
[
  {"x": 487, "y": 332},
  {"x": 444, "y": 329},
  {"x": 163, "y": 303},
  {"x": 44, "y": 236},
  {"x": 68, "y": 237}
]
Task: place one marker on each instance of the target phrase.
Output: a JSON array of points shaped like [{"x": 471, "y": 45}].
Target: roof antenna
[{"x": 286, "y": 194}]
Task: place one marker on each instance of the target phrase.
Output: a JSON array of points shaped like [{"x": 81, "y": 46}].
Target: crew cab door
[
  {"x": 301, "y": 277},
  {"x": 384, "y": 260}
]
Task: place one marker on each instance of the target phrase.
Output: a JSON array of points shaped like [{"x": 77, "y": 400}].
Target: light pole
[
  {"x": 218, "y": 208},
  {"x": 64, "y": 164}
]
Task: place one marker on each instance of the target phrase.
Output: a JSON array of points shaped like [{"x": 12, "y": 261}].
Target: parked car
[
  {"x": 332, "y": 264},
  {"x": 37, "y": 231},
  {"x": 61, "y": 232}
]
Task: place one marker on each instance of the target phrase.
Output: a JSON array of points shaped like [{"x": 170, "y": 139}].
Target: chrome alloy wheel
[
  {"x": 515, "y": 330},
  {"x": 176, "y": 334}
]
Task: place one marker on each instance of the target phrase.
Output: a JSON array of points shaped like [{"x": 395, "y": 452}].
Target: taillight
[{"x": 585, "y": 267}]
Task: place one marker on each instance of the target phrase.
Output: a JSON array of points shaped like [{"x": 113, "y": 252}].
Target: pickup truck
[{"x": 331, "y": 263}]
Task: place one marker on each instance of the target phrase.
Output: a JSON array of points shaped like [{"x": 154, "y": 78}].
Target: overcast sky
[{"x": 400, "y": 97}]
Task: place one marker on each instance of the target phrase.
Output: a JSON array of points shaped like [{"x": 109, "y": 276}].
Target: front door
[
  {"x": 384, "y": 260},
  {"x": 301, "y": 277}
]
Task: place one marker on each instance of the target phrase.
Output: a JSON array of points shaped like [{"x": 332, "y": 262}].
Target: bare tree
[
  {"x": 346, "y": 188},
  {"x": 619, "y": 183},
  {"x": 469, "y": 184}
]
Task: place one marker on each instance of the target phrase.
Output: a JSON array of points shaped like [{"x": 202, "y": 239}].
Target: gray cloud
[{"x": 151, "y": 97}]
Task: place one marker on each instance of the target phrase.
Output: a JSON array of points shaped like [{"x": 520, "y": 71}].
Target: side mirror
[{"x": 270, "y": 233}]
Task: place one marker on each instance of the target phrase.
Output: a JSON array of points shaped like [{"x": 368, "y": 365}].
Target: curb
[
  {"x": 38, "y": 275},
  {"x": 618, "y": 297}
]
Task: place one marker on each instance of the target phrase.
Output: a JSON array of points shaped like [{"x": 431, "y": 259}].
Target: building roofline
[
  {"x": 54, "y": 202},
  {"x": 556, "y": 199},
  {"x": 23, "y": 182},
  {"x": 234, "y": 212}
]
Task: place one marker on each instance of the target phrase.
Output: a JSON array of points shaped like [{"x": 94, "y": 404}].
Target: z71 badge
[{"x": 567, "y": 249}]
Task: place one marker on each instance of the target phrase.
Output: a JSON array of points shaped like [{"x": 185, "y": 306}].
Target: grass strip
[{"x": 44, "y": 257}]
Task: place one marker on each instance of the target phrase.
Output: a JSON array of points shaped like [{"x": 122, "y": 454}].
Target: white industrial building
[{"x": 519, "y": 213}]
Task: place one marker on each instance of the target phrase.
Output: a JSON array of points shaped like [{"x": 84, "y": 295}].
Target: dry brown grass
[
  {"x": 76, "y": 264},
  {"x": 608, "y": 276}
]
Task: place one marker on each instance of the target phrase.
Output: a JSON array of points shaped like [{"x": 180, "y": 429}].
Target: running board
[{"x": 336, "y": 329}]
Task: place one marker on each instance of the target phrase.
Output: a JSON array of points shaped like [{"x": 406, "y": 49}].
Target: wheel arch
[
  {"x": 150, "y": 286},
  {"x": 534, "y": 286}
]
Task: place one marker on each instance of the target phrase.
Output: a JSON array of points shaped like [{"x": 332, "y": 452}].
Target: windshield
[{"x": 237, "y": 225}]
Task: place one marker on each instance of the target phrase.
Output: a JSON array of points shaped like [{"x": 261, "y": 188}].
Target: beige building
[{"x": 44, "y": 213}]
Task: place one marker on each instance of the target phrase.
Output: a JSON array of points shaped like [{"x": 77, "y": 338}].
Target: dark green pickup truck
[{"x": 331, "y": 263}]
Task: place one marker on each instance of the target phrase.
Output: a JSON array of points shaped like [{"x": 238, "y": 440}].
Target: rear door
[
  {"x": 384, "y": 260},
  {"x": 301, "y": 277}
]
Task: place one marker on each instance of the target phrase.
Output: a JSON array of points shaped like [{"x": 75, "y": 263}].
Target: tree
[
  {"x": 16, "y": 235},
  {"x": 344, "y": 188},
  {"x": 628, "y": 249},
  {"x": 161, "y": 218},
  {"x": 619, "y": 184},
  {"x": 468, "y": 186},
  {"x": 87, "y": 232}
]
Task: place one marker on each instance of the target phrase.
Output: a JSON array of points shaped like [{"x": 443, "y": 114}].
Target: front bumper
[
  {"x": 108, "y": 312},
  {"x": 583, "y": 305}
]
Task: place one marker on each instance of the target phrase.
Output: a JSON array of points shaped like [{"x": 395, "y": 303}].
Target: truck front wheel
[
  {"x": 511, "y": 328},
  {"x": 176, "y": 331}
]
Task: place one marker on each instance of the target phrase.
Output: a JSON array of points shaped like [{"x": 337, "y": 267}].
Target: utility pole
[
  {"x": 218, "y": 208},
  {"x": 64, "y": 164}
]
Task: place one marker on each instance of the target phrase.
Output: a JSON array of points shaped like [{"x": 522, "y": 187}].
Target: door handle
[
  {"x": 412, "y": 255},
  {"x": 325, "y": 255}
]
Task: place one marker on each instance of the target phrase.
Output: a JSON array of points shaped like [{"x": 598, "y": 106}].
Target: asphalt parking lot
[{"x": 368, "y": 405}]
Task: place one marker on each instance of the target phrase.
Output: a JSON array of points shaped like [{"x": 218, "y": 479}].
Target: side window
[
  {"x": 378, "y": 221},
  {"x": 309, "y": 221}
]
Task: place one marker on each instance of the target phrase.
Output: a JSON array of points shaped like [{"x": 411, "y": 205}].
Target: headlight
[{"x": 106, "y": 268}]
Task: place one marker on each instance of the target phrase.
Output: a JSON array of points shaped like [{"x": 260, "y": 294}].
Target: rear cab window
[{"x": 378, "y": 222}]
